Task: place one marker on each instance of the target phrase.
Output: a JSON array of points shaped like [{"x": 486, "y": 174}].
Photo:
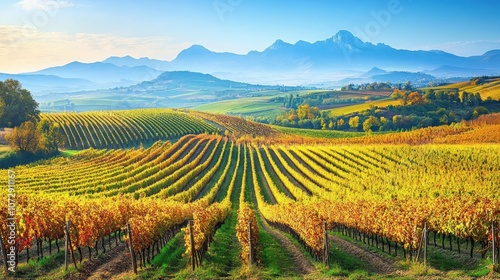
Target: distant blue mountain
[
  {"x": 133, "y": 62},
  {"x": 39, "y": 84},
  {"x": 193, "y": 80},
  {"x": 378, "y": 75},
  {"x": 326, "y": 59},
  {"x": 102, "y": 72},
  {"x": 343, "y": 51},
  {"x": 338, "y": 59}
]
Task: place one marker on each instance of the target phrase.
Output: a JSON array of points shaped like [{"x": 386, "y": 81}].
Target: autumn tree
[
  {"x": 43, "y": 138},
  {"x": 340, "y": 123},
  {"x": 415, "y": 98},
  {"x": 354, "y": 122},
  {"x": 25, "y": 138}
]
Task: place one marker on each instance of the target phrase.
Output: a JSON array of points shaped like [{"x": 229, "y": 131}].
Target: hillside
[
  {"x": 487, "y": 87},
  {"x": 122, "y": 129},
  {"x": 176, "y": 89},
  {"x": 257, "y": 194},
  {"x": 275, "y": 186}
]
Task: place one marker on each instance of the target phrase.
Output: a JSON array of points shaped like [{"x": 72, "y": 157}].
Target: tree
[
  {"x": 415, "y": 98},
  {"x": 25, "y": 138},
  {"x": 340, "y": 123},
  {"x": 429, "y": 95},
  {"x": 480, "y": 110},
  {"x": 303, "y": 111},
  {"x": 354, "y": 122},
  {"x": 370, "y": 123},
  {"x": 477, "y": 99},
  {"x": 52, "y": 138},
  {"x": 16, "y": 104},
  {"x": 408, "y": 86}
]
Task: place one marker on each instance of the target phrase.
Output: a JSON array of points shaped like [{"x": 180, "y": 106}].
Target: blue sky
[{"x": 35, "y": 34}]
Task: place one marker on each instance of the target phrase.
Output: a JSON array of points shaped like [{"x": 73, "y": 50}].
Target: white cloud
[
  {"x": 45, "y": 4},
  {"x": 24, "y": 49}
]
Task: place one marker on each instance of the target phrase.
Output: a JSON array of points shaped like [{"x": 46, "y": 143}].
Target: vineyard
[
  {"x": 122, "y": 129},
  {"x": 396, "y": 198}
]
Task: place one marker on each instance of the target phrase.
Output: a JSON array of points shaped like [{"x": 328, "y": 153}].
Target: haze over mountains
[{"x": 341, "y": 59}]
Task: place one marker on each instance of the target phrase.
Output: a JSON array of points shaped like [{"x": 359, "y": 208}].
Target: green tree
[
  {"x": 429, "y": 95},
  {"x": 16, "y": 104},
  {"x": 51, "y": 137},
  {"x": 480, "y": 110}
]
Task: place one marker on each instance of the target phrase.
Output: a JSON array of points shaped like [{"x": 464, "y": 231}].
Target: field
[
  {"x": 266, "y": 107},
  {"x": 340, "y": 111},
  {"x": 186, "y": 194},
  {"x": 251, "y": 106},
  {"x": 489, "y": 88}
]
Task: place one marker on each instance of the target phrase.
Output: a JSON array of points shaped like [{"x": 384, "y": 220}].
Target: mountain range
[
  {"x": 334, "y": 61},
  {"x": 322, "y": 60}
]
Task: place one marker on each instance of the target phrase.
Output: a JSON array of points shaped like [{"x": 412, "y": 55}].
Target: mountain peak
[
  {"x": 374, "y": 71},
  {"x": 344, "y": 34},
  {"x": 277, "y": 45},
  {"x": 345, "y": 37}
]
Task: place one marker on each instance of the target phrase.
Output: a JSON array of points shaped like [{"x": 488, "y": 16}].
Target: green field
[
  {"x": 250, "y": 106},
  {"x": 317, "y": 133}
]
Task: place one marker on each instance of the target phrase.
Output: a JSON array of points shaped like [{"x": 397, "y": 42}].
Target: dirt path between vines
[
  {"x": 302, "y": 264},
  {"x": 376, "y": 262},
  {"x": 114, "y": 264}
]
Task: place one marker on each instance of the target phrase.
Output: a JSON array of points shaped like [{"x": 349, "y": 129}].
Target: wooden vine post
[
  {"x": 68, "y": 246},
  {"x": 191, "y": 237},
  {"x": 250, "y": 255},
  {"x": 493, "y": 237},
  {"x": 326, "y": 257},
  {"x": 131, "y": 248},
  {"x": 425, "y": 243}
]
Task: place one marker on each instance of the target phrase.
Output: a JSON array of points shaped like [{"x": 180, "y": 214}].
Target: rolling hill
[
  {"x": 486, "y": 86},
  {"x": 175, "y": 89}
]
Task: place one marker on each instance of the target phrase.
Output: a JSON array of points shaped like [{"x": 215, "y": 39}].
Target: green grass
[
  {"x": 169, "y": 261},
  {"x": 222, "y": 258},
  {"x": 318, "y": 133},
  {"x": 49, "y": 267},
  {"x": 441, "y": 264},
  {"x": 68, "y": 153},
  {"x": 275, "y": 261}
]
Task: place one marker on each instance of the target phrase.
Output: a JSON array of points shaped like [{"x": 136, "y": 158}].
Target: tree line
[{"x": 417, "y": 109}]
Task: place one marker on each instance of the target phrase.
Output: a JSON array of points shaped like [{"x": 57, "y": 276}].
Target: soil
[
  {"x": 114, "y": 264},
  {"x": 376, "y": 262},
  {"x": 302, "y": 264}
]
